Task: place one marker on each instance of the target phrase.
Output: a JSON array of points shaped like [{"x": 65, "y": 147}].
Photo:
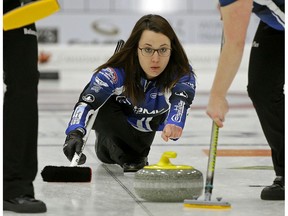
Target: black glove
[{"x": 74, "y": 143}]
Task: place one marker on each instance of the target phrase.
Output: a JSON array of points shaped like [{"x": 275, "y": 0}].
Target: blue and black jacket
[{"x": 110, "y": 81}]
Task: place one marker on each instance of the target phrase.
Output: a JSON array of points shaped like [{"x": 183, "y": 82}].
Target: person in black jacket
[
  {"x": 20, "y": 117},
  {"x": 265, "y": 75}
]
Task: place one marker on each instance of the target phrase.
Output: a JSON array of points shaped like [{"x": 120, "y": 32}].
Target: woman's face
[{"x": 151, "y": 62}]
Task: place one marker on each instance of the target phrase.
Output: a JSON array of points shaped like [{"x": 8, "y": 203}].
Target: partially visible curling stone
[{"x": 166, "y": 182}]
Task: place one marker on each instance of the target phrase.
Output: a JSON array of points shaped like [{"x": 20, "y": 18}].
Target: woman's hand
[{"x": 171, "y": 131}]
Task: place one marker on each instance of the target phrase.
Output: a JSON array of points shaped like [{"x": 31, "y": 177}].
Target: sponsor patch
[
  {"x": 30, "y": 32},
  {"x": 142, "y": 110},
  {"x": 153, "y": 95},
  {"x": 123, "y": 100},
  {"x": 96, "y": 88},
  {"x": 110, "y": 74},
  {"x": 182, "y": 94},
  {"x": 88, "y": 98},
  {"x": 180, "y": 110},
  {"x": 192, "y": 85},
  {"x": 100, "y": 82},
  {"x": 76, "y": 118}
]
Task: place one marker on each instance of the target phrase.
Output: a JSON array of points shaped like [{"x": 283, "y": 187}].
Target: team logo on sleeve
[{"x": 88, "y": 98}]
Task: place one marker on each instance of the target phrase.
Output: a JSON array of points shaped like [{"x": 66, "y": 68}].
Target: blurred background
[
  {"x": 84, "y": 33},
  {"x": 105, "y": 21}
]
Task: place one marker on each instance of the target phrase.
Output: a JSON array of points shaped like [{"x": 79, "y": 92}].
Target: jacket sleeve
[
  {"x": 224, "y": 3},
  {"x": 101, "y": 86},
  {"x": 182, "y": 95}
]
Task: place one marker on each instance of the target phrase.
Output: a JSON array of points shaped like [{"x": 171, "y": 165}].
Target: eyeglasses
[{"x": 148, "y": 52}]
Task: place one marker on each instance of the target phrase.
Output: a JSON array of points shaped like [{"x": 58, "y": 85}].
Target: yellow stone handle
[
  {"x": 165, "y": 164},
  {"x": 165, "y": 159}
]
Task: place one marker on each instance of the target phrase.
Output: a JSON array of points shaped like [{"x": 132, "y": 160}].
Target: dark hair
[{"x": 127, "y": 58}]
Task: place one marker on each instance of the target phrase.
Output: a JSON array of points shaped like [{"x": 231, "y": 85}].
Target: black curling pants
[
  {"x": 117, "y": 141},
  {"x": 20, "y": 111},
  {"x": 266, "y": 89}
]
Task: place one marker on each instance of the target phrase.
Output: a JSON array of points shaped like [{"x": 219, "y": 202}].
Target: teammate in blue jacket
[
  {"x": 265, "y": 75},
  {"x": 147, "y": 86}
]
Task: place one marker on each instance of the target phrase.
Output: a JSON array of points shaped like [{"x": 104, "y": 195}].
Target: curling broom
[
  {"x": 207, "y": 203},
  {"x": 74, "y": 173},
  {"x": 29, "y": 13}
]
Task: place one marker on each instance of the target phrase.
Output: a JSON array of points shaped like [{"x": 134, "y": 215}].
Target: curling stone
[{"x": 166, "y": 182}]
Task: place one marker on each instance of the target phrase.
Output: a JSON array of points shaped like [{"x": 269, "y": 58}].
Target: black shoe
[
  {"x": 24, "y": 204},
  {"x": 276, "y": 191},
  {"x": 135, "y": 166}
]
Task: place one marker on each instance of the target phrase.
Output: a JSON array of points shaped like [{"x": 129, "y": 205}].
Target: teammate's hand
[
  {"x": 171, "y": 131},
  {"x": 74, "y": 143},
  {"x": 217, "y": 109}
]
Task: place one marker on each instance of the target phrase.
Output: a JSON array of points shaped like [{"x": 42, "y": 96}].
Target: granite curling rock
[{"x": 166, "y": 182}]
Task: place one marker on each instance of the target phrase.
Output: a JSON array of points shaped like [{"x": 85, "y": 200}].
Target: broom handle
[
  {"x": 89, "y": 126},
  {"x": 213, "y": 149},
  {"x": 211, "y": 161},
  {"x": 91, "y": 120}
]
